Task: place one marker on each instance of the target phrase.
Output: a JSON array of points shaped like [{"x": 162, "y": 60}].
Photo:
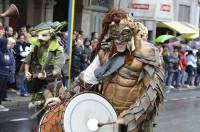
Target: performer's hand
[
  {"x": 121, "y": 121},
  {"x": 42, "y": 75},
  {"x": 28, "y": 75},
  {"x": 52, "y": 101}
]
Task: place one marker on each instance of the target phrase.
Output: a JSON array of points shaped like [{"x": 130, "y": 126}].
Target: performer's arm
[
  {"x": 84, "y": 82},
  {"x": 59, "y": 63}
]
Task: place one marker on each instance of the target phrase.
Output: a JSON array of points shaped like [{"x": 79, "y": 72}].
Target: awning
[
  {"x": 192, "y": 26},
  {"x": 179, "y": 27},
  {"x": 190, "y": 36}
]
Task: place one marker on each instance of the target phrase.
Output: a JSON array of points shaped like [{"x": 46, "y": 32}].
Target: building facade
[
  {"x": 89, "y": 13},
  {"x": 33, "y": 12}
]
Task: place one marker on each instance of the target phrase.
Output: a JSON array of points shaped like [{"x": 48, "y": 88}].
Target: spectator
[
  {"x": 29, "y": 28},
  {"x": 181, "y": 69},
  {"x": 11, "y": 80},
  {"x": 94, "y": 35},
  {"x": 6, "y": 62},
  {"x": 191, "y": 68},
  {"x": 171, "y": 65},
  {"x": 22, "y": 49},
  {"x": 2, "y": 31},
  {"x": 87, "y": 53},
  {"x": 77, "y": 58},
  {"x": 198, "y": 69},
  {"x": 8, "y": 32},
  {"x": 94, "y": 44}
]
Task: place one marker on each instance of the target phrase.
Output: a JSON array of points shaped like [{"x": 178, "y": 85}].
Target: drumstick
[
  {"x": 118, "y": 121},
  {"x": 108, "y": 123},
  {"x": 37, "y": 113}
]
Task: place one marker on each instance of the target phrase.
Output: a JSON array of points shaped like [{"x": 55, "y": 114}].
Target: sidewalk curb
[
  {"x": 11, "y": 104},
  {"x": 16, "y": 100},
  {"x": 183, "y": 98},
  {"x": 185, "y": 89}
]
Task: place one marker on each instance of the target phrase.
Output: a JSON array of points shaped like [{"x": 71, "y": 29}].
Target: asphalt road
[
  {"x": 180, "y": 113},
  {"x": 17, "y": 119}
]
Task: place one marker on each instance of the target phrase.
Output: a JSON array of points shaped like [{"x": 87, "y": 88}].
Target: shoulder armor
[{"x": 148, "y": 54}]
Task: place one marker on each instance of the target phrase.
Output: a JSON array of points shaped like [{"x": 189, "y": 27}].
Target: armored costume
[
  {"x": 128, "y": 69},
  {"x": 46, "y": 57}
]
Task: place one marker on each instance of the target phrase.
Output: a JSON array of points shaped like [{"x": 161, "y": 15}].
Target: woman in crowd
[
  {"x": 171, "y": 66},
  {"x": 87, "y": 52},
  {"x": 6, "y": 63},
  {"x": 181, "y": 69},
  {"x": 22, "y": 49},
  {"x": 191, "y": 68}
]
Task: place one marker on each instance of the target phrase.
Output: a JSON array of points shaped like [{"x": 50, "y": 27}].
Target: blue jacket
[{"x": 6, "y": 59}]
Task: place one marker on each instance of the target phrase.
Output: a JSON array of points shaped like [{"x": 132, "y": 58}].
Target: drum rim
[
  {"x": 78, "y": 95},
  {"x": 40, "y": 124}
]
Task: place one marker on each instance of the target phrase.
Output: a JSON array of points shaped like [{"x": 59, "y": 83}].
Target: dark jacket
[
  {"x": 86, "y": 55},
  {"x": 77, "y": 60},
  {"x": 6, "y": 59},
  {"x": 171, "y": 62},
  {"x": 20, "y": 48}
]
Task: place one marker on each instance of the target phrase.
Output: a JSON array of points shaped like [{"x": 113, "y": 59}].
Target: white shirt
[{"x": 88, "y": 73}]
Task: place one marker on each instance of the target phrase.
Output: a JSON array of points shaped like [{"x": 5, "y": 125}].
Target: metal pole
[{"x": 70, "y": 38}]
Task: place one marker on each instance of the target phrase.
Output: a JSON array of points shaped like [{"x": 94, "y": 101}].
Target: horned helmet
[
  {"x": 123, "y": 29},
  {"x": 46, "y": 30}
]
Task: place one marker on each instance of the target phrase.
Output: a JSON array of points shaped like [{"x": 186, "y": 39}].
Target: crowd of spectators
[
  {"x": 84, "y": 50},
  {"x": 182, "y": 66},
  {"x": 13, "y": 50}
]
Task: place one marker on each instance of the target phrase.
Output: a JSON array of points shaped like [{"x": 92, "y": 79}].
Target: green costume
[{"x": 48, "y": 55}]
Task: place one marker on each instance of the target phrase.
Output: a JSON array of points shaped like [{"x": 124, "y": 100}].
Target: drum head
[{"x": 88, "y": 108}]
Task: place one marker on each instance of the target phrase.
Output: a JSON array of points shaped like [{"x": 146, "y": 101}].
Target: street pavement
[
  {"x": 18, "y": 118},
  {"x": 16, "y": 100},
  {"x": 178, "y": 113}
]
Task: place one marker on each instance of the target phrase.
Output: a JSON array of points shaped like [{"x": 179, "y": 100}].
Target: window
[
  {"x": 103, "y": 3},
  {"x": 184, "y": 13}
]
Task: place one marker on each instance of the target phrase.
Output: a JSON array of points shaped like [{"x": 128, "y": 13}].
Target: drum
[{"x": 83, "y": 113}]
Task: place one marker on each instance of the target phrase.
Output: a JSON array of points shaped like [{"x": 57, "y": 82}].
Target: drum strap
[{"x": 110, "y": 67}]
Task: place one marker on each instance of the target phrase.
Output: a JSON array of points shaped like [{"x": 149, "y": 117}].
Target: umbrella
[
  {"x": 164, "y": 38},
  {"x": 171, "y": 43},
  {"x": 186, "y": 47}
]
